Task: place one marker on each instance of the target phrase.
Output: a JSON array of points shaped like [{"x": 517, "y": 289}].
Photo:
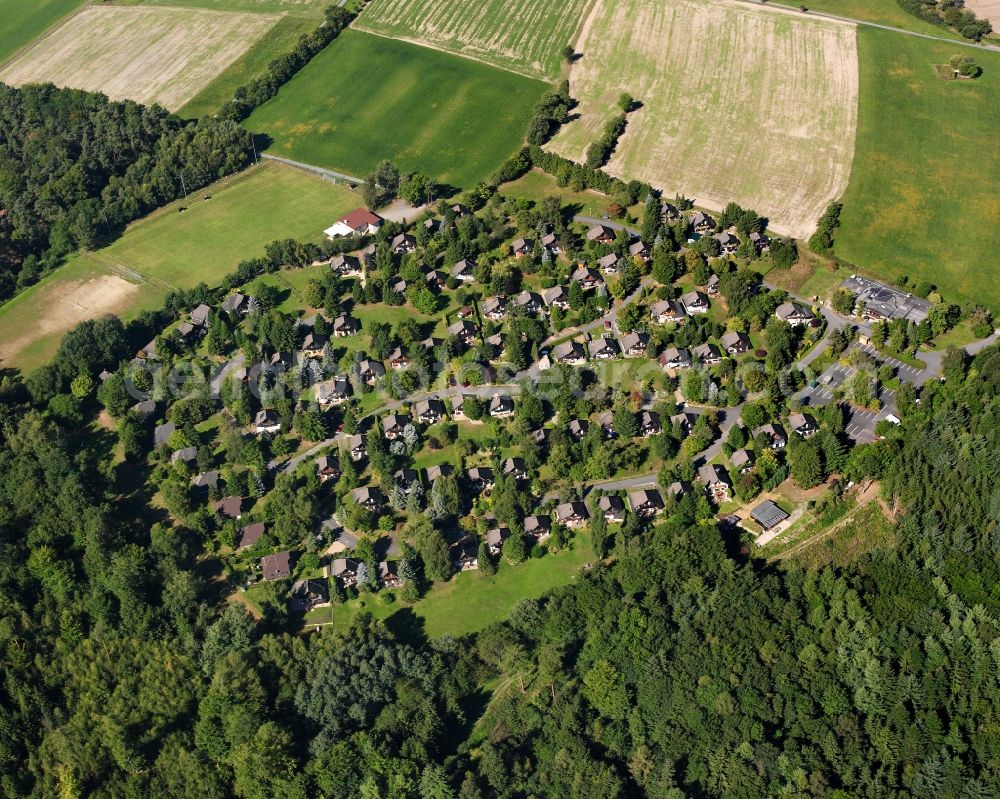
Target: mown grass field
[
  {"x": 525, "y": 36},
  {"x": 150, "y": 55},
  {"x": 365, "y": 98},
  {"x": 282, "y": 38},
  {"x": 739, "y": 103},
  {"x": 312, "y": 8},
  {"x": 170, "y": 248},
  {"x": 881, "y": 12},
  {"x": 923, "y": 199},
  {"x": 22, "y": 22}
]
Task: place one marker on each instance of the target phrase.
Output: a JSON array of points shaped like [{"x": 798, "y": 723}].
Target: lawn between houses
[
  {"x": 366, "y": 98},
  {"x": 922, "y": 200},
  {"x": 171, "y": 249}
]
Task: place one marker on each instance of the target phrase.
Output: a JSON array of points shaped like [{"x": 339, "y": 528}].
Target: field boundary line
[
  {"x": 329, "y": 174},
  {"x": 418, "y": 43},
  {"x": 27, "y": 48},
  {"x": 122, "y": 269}
]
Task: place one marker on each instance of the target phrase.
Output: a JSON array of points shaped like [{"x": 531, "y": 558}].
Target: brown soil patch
[{"x": 66, "y": 305}]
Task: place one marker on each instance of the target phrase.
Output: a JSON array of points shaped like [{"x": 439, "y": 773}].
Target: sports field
[
  {"x": 365, "y": 98},
  {"x": 923, "y": 199},
  {"x": 739, "y": 103},
  {"x": 171, "y": 249},
  {"x": 22, "y": 22},
  {"x": 525, "y": 36},
  {"x": 151, "y": 55}
]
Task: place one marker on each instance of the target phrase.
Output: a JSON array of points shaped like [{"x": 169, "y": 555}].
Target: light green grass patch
[
  {"x": 922, "y": 199},
  {"x": 525, "y": 36},
  {"x": 365, "y": 98},
  {"x": 312, "y": 8},
  {"x": 21, "y": 22},
  {"x": 881, "y": 12}
]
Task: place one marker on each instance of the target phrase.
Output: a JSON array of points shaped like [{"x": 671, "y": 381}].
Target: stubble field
[
  {"x": 738, "y": 103},
  {"x": 150, "y": 55},
  {"x": 525, "y": 36}
]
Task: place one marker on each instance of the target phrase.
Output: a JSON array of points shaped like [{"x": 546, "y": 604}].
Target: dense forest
[
  {"x": 677, "y": 668},
  {"x": 76, "y": 167}
]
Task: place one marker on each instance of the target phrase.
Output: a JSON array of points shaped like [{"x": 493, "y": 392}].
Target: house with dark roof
[
  {"x": 229, "y": 506},
  {"x": 760, "y": 241},
  {"x": 742, "y": 460},
  {"x": 712, "y": 286},
  {"x": 495, "y": 539},
  {"x": 235, "y": 304},
  {"x": 645, "y": 502},
  {"x": 277, "y": 566},
  {"x": 606, "y": 419},
  {"x": 346, "y": 265},
  {"x": 774, "y": 435},
  {"x": 670, "y": 213},
  {"x": 199, "y": 316},
  {"x": 569, "y": 352},
  {"x": 612, "y": 508},
  {"x": 728, "y": 243},
  {"x": 267, "y": 421},
  {"x": 608, "y": 264},
  {"x": 803, "y": 424},
  {"x": 707, "y": 354},
  {"x": 369, "y": 497},
  {"x": 313, "y": 344},
  {"x": 436, "y": 279},
  {"x": 768, "y": 515},
  {"x": 464, "y": 331},
  {"x": 702, "y": 223},
  {"x": 587, "y": 278},
  {"x": 795, "y": 314},
  {"x": 429, "y": 411},
  {"x": 334, "y": 392},
  {"x": 572, "y": 514},
  {"x": 162, "y": 433},
  {"x": 735, "y": 342},
  {"x": 675, "y": 358},
  {"x": 205, "y": 480},
  {"x": 529, "y": 301},
  {"x": 635, "y": 344},
  {"x": 345, "y": 325},
  {"x": 556, "y": 297},
  {"x": 695, "y": 302},
  {"x": 716, "y": 482},
  {"x": 578, "y": 428},
  {"x": 494, "y": 308},
  {"x": 521, "y": 247},
  {"x": 327, "y": 468},
  {"x": 667, "y": 311},
  {"x": 356, "y": 448},
  {"x": 185, "y": 455},
  {"x": 251, "y": 534},
  {"x": 388, "y": 574},
  {"x": 143, "y": 410},
  {"x": 345, "y": 571},
  {"x": 440, "y": 470},
  {"x": 601, "y": 233},
  {"x": 403, "y": 243},
  {"x": 481, "y": 478},
  {"x": 393, "y": 425},
  {"x": 501, "y": 406},
  {"x": 537, "y": 527},
  {"x": 639, "y": 250},
  {"x": 603, "y": 348},
  {"x": 514, "y": 467},
  {"x": 463, "y": 270},
  {"x": 309, "y": 594},
  {"x": 398, "y": 359},
  {"x": 649, "y": 424},
  {"x": 370, "y": 371},
  {"x": 465, "y": 556},
  {"x": 407, "y": 479},
  {"x": 550, "y": 242}
]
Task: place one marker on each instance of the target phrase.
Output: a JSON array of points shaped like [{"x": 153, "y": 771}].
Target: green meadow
[
  {"x": 22, "y": 21},
  {"x": 365, "y": 98},
  {"x": 922, "y": 200}
]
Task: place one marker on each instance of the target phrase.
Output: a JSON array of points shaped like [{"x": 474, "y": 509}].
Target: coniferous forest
[{"x": 678, "y": 668}]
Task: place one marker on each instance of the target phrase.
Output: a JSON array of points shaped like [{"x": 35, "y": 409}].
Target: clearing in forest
[
  {"x": 738, "y": 103},
  {"x": 150, "y": 55},
  {"x": 525, "y": 36}
]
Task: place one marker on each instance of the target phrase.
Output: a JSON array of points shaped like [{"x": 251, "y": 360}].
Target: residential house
[
  {"x": 635, "y": 344},
  {"x": 431, "y": 343},
  {"x": 185, "y": 455},
  {"x": 359, "y": 222},
  {"x": 334, "y": 392},
  {"x": 695, "y": 302},
  {"x": 407, "y": 479},
  {"x": 345, "y": 325},
  {"x": 369, "y": 497},
  {"x": 327, "y": 468},
  {"x": 760, "y": 241},
  {"x": 465, "y": 312},
  {"x": 712, "y": 286},
  {"x": 495, "y": 539},
  {"x": 267, "y": 421},
  {"x": 678, "y": 489},
  {"x": 399, "y": 286},
  {"x": 666, "y": 311},
  {"x": 795, "y": 314},
  {"x": 603, "y": 348},
  {"x": 148, "y": 351},
  {"x": 742, "y": 460},
  {"x": 501, "y": 406},
  {"x": 702, "y": 223},
  {"x": 281, "y": 361},
  {"x": 436, "y": 279},
  {"x": 803, "y": 424},
  {"x": 521, "y": 247},
  {"x": 768, "y": 515},
  {"x": 463, "y": 271},
  {"x": 735, "y": 342},
  {"x": 229, "y": 506},
  {"x": 235, "y": 304},
  {"x": 578, "y": 428},
  {"x": 458, "y": 407},
  {"x": 645, "y": 502},
  {"x": 494, "y": 308},
  {"x": 403, "y": 243},
  {"x": 398, "y": 359},
  {"x": 199, "y": 316},
  {"x": 346, "y": 265},
  {"x": 572, "y": 514},
  {"x": 429, "y": 411},
  {"x": 675, "y": 358},
  {"x": 728, "y": 243},
  {"x": 432, "y": 225},
  {"x": 250, "y": 535},
  {"x": 685, "y": 421},
  {"x": 162, "y": 433},
  {"x": 514, "y": 467},
  {"x": 608, "y": 264},
  {"x": 463, "y": 331},
  {"x": 670, "y": 213},
  {"x": 556, "y": 297},
  {"x": 707, "y": 354},
  {"x": 441, "y": 470},
  {"x": 143, "y": 410},
  {"x": 606, "y": 419},
  {"x": 313, "y": 344},
  {"x": 388, "y": 574},
  {"x": 638, "y": 249},
  {"x": 649, "y": 424},
  {"x": 601, "y": 233},
  {"x": 465, "y": 556},
  {"x": 345, "y": 571},
  {"x": 587, "y": 278},
  {"x": 370, "y": 371},
  {"x": 206, "y": 480},
  {"x": 460, "y": 210},
  {"x": 537, "y": 527},
  {"x": 529, "y": 301},
  {"x": 612, "y": 508},
  {"x": 393, "y": 424},
  {"x": 774, "y": 435},
  {"x": 189, "y": 333},
  {"x": 356, "y": 448},
  {"x": 716, "y": 482},
  {"x": 550, "y": 242},
  {"x": 481, "y": 478},
  {"x": 570, "y": 352},
  {"x": 277, "y": 566},
  {"x": 309, "y": 594}
]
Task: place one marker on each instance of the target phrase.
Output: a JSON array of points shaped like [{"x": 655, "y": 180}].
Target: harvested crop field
[
  {"x": 738, "y": 103},
  {"x": 986, "y": 9},
  {"x": 150, "y": 55},
  {"x": 525, "y": 36}
]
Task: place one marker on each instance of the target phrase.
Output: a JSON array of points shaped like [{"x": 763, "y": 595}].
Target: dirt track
[{"x": 146, "y": 54}]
